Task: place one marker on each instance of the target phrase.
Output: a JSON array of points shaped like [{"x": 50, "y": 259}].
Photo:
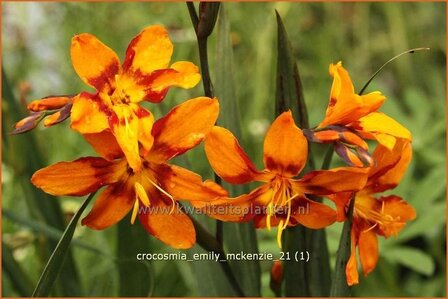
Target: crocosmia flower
[
  {"x": 113, "y": 108},
  {"x": 350, "y": 118},
  {"x": 281, "y": 199},
  {"x": 372, "y": 216},
  {"x": 150, "y": 193}
]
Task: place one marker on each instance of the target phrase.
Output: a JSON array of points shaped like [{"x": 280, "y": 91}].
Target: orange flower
[
  {"x": 350, "y": 118},
  {"x": 281, "y": 199},
  {"x": 151, "y": 192},
  {"x": 384, "y": 216},
  {"x": 144, "y": 76}
]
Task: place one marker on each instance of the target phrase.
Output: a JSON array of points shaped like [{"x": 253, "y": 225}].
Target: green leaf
[
  {"x": 411, "y": 258},
  {"x": 339, "y": 287},
  {"x": 134, "y": 276},
  {"x": 296, "y": 280},
  {"x": 23, "y": 155},
  {"x": 289, "y": 94},
  {"x": 237, "y": 236},
  {"x": 19, "y": 279},
  {"x": 56, "y": 261}
]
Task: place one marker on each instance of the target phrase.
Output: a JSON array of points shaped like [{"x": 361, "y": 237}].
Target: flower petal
[
  {"x": 184, "y": 127},
  {"x": 316, "y": 215},
  {"x": 88, "y": 114},
  {"x": 368, "y": 250},
  {"x": 390, "y": 166},
  {"x": 79, "y": 177},
  {"x": 285, "y": 147},
  {"x": 324, "y": 182},
  {"x": 380, "y": 125},
  {"x": 228, "y": 159},
  {"x": 399, "y": 211},
  {"x": 351, "y": 270},
  {"x": 105, "y": 145},
  {"x": 111, "y": 206},
  {"x": 175, "y": 229},
  {"x": 345, "y": 106},
  {"x": 95, "y": 63},
  {"x": 187, "y": 185},
  {"x": 130, "y": 125},
  {"x": 150, "y": 50}
]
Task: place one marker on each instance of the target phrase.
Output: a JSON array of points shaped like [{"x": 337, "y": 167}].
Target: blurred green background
[{"x": 36, "y": 60}]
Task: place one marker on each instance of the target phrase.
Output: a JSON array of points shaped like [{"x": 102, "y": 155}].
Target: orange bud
[
  {"x": 276, "y": 277},
  {"x": 52, "y": 119},
  {"x": 50, "y": 103},
  {"x": 354, "y": 139}
]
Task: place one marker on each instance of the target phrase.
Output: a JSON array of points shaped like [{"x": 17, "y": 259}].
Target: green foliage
[{"x": 36, "y": 41}]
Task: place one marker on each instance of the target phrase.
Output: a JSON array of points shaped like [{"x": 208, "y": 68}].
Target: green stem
[
  {"x": 327, "y": 158},
  {"x": 339, "y": 287},
  {"x": 57, "y": 258},
  {"x": 411, "y": 51}
]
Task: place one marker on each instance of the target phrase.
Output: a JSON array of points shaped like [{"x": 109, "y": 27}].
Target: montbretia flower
[
  {"x": 145, "y": 75},
  {"x": 151, "y": 193},
  {"x": 372, "y": 216},
  {"x": 280, "y": 200},
  {"x": 350, "y": 118}
]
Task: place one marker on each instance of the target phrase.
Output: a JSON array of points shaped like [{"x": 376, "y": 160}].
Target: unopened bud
[
  {"x": 208, "y": 13},
  {"x": 276, "y": 277}
]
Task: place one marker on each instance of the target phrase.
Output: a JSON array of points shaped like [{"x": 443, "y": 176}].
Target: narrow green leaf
[
  {"x": 411, "y": 258},
  {"x": 289, "y": 86},
  {"x": 19, "y": 279},
  {"x": 339, "y": 287},
  {"x": 237, "y": 236},
  {"x": 57, "y": 259},
  {"x": 23, "y": 155},
  {"x": 296, "y": 280},
  {"x": 134, "y": 276}
]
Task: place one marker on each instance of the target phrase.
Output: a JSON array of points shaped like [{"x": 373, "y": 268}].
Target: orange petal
[
  {"x": 87, "y": 114},
  {"x": 351, "y": 270},
  {"x": 187, "y": 185},
  {"x": 175, "y": 229},
  {"x": 131, "y": 124},
  {"x": 380, "y": 126},
  {"x": 324, "y": 182},
  {"x": 315, "y": 215},
  {"x": 105, "y": 145},
  {"x": 342, "y": 200},
  {"x": 345, "y": 106},
  {"x": 398, "y": 212},
  {"x": 368, "y": 250},
  {"x": 95, "y": 63},
  {"x": 347, "y": 155},
  {"x": 150, "y": 50},
  {"x": 285, "y": 148},
  {"x": 111, "y": 206},
  {"x": 227, "y": 158},
  {"x": 79, "y": 177},
  {"x": 181, "y": 74},
  {"x": 184, "y": 127},
  {"x": 390, "y": 166},
  {"x": 49, "y": 103}
]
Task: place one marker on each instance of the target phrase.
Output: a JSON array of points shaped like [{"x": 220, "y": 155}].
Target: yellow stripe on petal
[
  {"x": 86, "y": 115},
  {"x": 380, "y": 123}
]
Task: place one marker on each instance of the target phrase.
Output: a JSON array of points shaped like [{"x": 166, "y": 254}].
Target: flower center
[
  {"x": 281, "y": 199},
  {"x": 366, "y": 208},
  {"x": 145, "y": 178}
]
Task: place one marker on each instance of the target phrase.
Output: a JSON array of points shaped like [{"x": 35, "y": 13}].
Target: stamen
[
  {"x": 164, "y": 192},
  {"x": 370, "y": 228},
  {"x": 270, "y": 213},
  {"x": 134, "y": 211},
  {"x": 279, "y": 233},
  {"x": 140, "y": 193}
]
